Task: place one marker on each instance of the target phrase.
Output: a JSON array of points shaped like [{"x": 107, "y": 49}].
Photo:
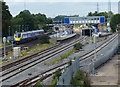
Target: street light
[{"x": 4, "y": 41}]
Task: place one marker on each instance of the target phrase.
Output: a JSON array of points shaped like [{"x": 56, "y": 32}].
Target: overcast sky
[
  {"x": 52, "y": 8},
  {"x": 61, "y": 0}
]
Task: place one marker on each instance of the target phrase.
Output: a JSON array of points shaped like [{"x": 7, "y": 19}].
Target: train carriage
[{"x": 21, "y": 37}]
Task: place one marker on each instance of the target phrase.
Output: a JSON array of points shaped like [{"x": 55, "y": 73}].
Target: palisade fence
[{"x": 88, "y": 65}]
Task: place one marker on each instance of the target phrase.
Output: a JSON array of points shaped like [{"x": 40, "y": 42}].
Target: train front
[{"x": 17, "y": 38}]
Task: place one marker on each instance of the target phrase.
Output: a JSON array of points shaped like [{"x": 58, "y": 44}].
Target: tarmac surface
[{"x": 107, "y": 74}]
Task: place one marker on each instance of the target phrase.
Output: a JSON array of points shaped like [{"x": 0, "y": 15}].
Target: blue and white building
[{"x": 84, "y": 20}]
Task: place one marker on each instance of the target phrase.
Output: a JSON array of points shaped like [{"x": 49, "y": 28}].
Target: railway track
[
  {"x": 38, "y": 60},
  {"x": 19, "y": 61},
  {"x": 49, "y": 72}
]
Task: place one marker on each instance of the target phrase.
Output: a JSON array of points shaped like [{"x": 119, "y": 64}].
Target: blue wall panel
[
  {"x": 102, "y": 19},
  {"x": 66, "y": 20}
]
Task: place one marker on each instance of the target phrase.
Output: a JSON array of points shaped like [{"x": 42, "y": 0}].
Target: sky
[
  {"x": 61, "y": 0},
  {"x": 52, "y": 8}
]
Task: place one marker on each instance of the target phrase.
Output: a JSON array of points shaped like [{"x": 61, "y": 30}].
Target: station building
[
  {"x": 81, "y": 22},
  {"x": 84, "y": 20}
]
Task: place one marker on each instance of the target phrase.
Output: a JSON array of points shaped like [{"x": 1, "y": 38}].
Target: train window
[
  {"x": 18, "y": 35},
  {"x": 29, "y": 35},
  {"x": 24, "y": 35}
]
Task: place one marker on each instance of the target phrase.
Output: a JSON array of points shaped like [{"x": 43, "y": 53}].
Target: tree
[
  {"x": 6, "y": 17},
  {"x": 40, "y": 20},
  {"x": 23, "y": 21},
  {"x": 114, "y": 21},
  {"x": 49, "y": 21}
]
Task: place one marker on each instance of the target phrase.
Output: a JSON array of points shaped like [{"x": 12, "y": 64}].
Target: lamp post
[{"x": 4, "y": 41}]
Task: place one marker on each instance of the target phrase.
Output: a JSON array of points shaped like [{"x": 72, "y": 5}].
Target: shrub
[
  {"x": 78, "y": 46},
  {"x": 80, "y": 79},
  {"x": 44, "y": 39},
  {"x": 70, "y": 63},
  {"x": 58, "y": 73},
  {"x": 38, "y": 84},
  {"x": 53, "y": 82}
]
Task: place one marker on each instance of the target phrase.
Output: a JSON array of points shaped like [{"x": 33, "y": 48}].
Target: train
[{"x": 22, "y": 37}]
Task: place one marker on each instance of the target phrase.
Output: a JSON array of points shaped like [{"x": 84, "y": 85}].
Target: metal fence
[{"x": 88, "y": 66}]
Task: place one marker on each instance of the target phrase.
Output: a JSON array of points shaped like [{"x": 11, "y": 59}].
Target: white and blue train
[{"x": 21, "y": 37}]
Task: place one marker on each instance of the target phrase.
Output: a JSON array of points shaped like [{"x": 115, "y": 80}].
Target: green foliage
[
  {"x": 38, "y": 84},
  {"x": 78, "y": 46},
  {"x": 80, "y": 79},
  {"x": 56, "y": 76},
  {"x": 58, "y": 73},
  {"x": 80, "y": 75},
  {"x": 64, "y": 56},
  {"x": 47, "y": 29},
  {"x": 23, "y": 21},
  {"x": 6, "y": 17},
  {"x": 114, "y": 21},
  {"x": 76, "y": 82},
  {"x": 70, "y": 63},
  {"x": 49, "y": 21},
  {"x": 53, "y": 82},
  {"x": 27, "y": 21},
  {"x": 44, "y": 39}
]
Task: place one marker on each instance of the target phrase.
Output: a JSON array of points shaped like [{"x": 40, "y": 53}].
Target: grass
[
  {"x": 64, "y": 56},
  {"x": 102, "y": 38},
  {"x": 38, "y": 48},
  {"x": 30, "y": 51},
  {"x": 1, "y": 44},
  {"x": 6, "y": 44},
  {"x": 39, "y": 84},
  {"x": 53, "y": 83}
]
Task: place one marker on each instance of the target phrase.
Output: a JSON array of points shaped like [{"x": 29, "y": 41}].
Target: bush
[
  {"x": 80, "y": 79},
  {"x": 38, "y": 84},
  {"x": 44, "y": 39},
  {"x": 58, "y": 73},
  {"x": 53, "y": 82},
  {"x": 78, "y": 46},
  {"x": 70, "y": 63}
]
